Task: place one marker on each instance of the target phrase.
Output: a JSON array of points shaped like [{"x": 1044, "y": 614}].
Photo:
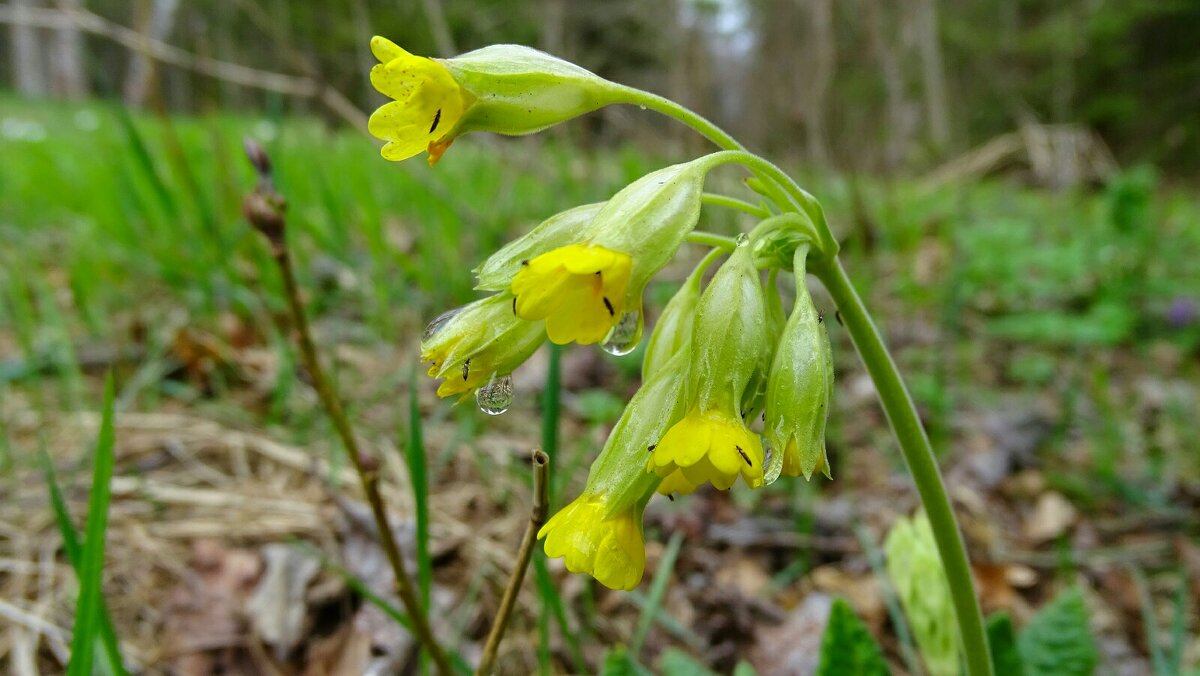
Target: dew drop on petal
[
  {"x": 439, "y": 322},
  {"x": 625, "y": 335},
  {"x": 495, "y": 397},
  {"x": 772, "y": 463}
]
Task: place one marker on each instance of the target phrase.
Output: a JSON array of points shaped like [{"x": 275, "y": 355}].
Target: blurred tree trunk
[
  {"x": 898, "y": 128},
  {"x": 68, "y": 78},
  {"x": 28, "y": 68},
  {"x": 825, "y": 61},
  {"x": 795, "y": 62},
  {"x": 436, "y": 17},
  {"x": 553, "y": 24},
  {"x": 362, "y": 26},
  {"x": 818, "y": 77},
  {"x": 929, "y": 46},
  {"x": 156, "y": 25}
]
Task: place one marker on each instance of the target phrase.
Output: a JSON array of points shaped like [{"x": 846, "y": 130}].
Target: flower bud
[
  {"x": 731, "y": 334},
  {"x": 471, "y": 345},
  {"x": 600, "y": 532},
  {"x": 800, "y": 387},
  {"x": 673, "y": 331},
  {"x": 754, "y": 398}
]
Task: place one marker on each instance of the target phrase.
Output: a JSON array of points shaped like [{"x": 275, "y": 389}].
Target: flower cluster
[{"x": 723, "y": 354}]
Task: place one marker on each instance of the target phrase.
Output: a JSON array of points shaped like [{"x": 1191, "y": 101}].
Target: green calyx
[
  {"x": 730, "y": 334},
  {"x": 800, "y": 387},
  {"x": 520, "y": 90},
  {"x": 620, "y": 469},
  {"x": 673, "y": 331}
]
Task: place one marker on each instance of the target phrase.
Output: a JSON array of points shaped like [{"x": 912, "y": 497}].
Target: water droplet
[
  {"x": 440, "y": 321},
  {"x": 772, "y": 463},
  {"x": 642, "y": 107},
  {"x": 625, "y": 335},
  {"x": 495, "y": 397},
  {"x": 743, "y": 239}
]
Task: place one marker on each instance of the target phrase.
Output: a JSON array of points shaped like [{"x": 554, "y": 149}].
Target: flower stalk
[
  {"x": 918, "y": 455},
  {"x": 264, "y": 208},
  {"x": 893, "y": 395}
]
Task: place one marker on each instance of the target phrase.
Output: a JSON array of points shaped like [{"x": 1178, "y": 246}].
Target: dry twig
[
  {"x": 537, "y": 516},
  {"x": 264, "y": 208}
]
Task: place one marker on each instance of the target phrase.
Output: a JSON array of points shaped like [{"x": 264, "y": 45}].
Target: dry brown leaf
[
  {"x": 346, "y": 652},
  {"x": 794, "y": 647},
  {"x": 277, "y": 609},
  {"x": 203, "y": 612},
  {"x": 1052, "y": 517}
]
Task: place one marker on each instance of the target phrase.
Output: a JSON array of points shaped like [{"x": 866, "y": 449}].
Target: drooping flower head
[
  {"x": 712, "y": 444},
  {"x": 506, "y": 89},
  {"x": 800, "y": 386},
  {"x": 472, "y": 345},
  {"x": 585, "y": 279},
  {"x": 600, "y": 532}
]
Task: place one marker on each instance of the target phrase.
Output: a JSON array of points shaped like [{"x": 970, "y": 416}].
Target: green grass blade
[
  {"x": 658, "y": 589},
  {"x": 111, "y": 656},
  {"x": 1158, "y": 660},
  {"x": 550, "y": 411},
  {"x": 414, "y": 451},
  {"x": 144, "y": 162},
  {"x": 1179, "y": 623},
  {"x": 91, "y": 563},
  {"x": 552, "y": 606},
  {"x": 417, "y": 471}
]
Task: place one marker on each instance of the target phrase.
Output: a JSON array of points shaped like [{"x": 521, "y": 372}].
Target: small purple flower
[{"x": 1182, "y": 312}]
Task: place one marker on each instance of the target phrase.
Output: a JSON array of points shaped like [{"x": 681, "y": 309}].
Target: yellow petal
[
  {"x": 578, "y": 289},
  {"x": 385, "y": 50},
  {"x": 676, "y": 482},
  {"x": 709, "y": 447},
  {"x": 610, "y": 549}
]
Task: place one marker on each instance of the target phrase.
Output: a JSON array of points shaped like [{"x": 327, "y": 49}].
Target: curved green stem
[
  {"x": 661, "y": 104},
  {"x": 719, "y": 200},
  {"x": 702, "y": 266},
  {"x": 892, "y": 394},
  {"x": 918, "y": 454},
  {"x": 798, "y": 196},
  {"x": 711, "y": 239}
]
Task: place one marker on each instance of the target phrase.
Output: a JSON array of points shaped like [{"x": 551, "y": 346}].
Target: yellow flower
[
  {"x": 609, "y": 547},
  {"x": 711, "y": 446},
  {"x": 578, "y": 289},
  {"x": 428, "y": 103}
]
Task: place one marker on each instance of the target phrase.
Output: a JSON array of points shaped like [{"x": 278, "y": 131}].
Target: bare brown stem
[
  {"x": 264, "y": 208},
  {"x": 537, "y": 516}
]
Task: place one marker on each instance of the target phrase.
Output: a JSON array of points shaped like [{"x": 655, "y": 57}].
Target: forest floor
[{"x": 1051, "y": 340}]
